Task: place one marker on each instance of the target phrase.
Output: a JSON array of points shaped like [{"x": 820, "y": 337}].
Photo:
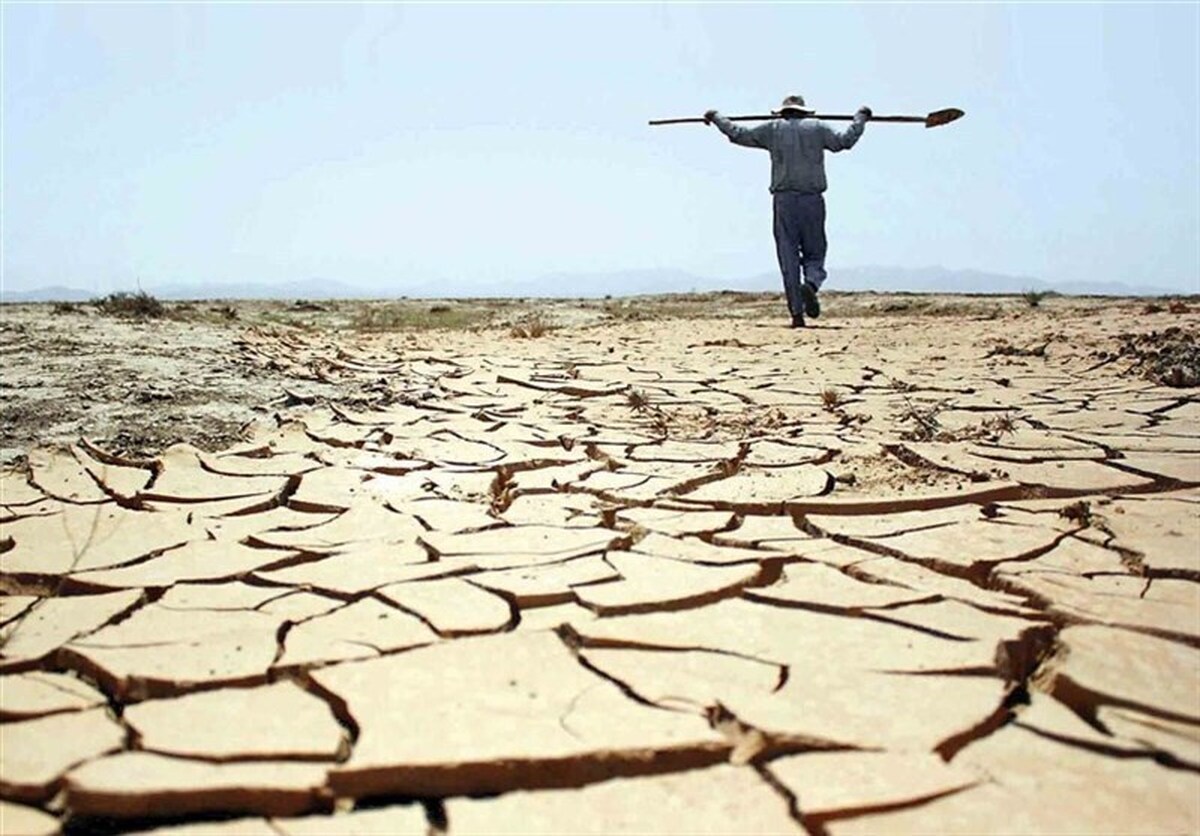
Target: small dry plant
[
  {"x": 1001, "y": 424},
  {"x": 926, "y": 425},
  {"x": 660, "y": 419},
  {"x": 1033, "y": 298},
  {"x": 531, "y": 328},
  {"x": 501, "y": 492},
  {"x": 140, "y": 305},
  {"x": 637, "y": 400},
  {"x": 1077, "y": 512},
  {"x": 989, "y": 429},
  {"x": 1085, "y": 516}
]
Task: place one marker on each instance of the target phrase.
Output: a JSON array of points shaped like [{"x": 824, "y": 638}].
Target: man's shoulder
[
  {"x": 766, "y": 131},
  {"x": 800, "y": 125}
]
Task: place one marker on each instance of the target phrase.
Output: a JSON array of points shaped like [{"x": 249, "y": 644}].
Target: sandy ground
[
  {"x": 666, "y": 566},
  {"x": 139, "y": 385}
]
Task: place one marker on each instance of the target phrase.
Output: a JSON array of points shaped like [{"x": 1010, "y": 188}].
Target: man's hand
[
  {"x": 865, "y": 112},
  {"x": 709, "y": 116}
]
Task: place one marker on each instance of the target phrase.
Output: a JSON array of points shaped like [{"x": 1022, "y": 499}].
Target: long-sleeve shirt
[{"x": 797, "y": 148}]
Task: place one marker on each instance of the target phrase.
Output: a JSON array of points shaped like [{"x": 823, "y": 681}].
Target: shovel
[{"x": 932, "y": 120}]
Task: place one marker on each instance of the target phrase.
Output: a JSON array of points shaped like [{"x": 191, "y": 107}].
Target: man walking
[{"x": 797, "y": 145}]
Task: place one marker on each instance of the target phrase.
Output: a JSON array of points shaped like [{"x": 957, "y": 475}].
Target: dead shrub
[
  {"x": 531, "y": 328},
  {"x": 1033, "y": 298},
  {"x": 140, "y": 305},
  {"x": 637, "y": 400},
  {"x": 1078, "y": 512},
  {"x": 925, "y": 425}
]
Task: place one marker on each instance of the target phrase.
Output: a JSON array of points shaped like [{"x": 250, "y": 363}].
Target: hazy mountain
[
  {"x": 625, "y": 283},
  {"x": 303, "y": 289},
  {"x": 55, "y": 293},
  {"x": 942, "y": 280},
  {"x": 621, "y": 283},
  {"x": 880, "y": 279}
]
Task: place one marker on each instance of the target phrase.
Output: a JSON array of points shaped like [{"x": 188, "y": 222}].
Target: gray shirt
[{"x": 797, "y": 148}]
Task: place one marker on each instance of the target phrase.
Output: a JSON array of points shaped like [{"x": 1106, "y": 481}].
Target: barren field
[{"x": 658, "y": 565}]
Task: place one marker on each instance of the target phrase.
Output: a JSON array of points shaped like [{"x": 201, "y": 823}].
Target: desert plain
[{"x": 653, "y": 565}]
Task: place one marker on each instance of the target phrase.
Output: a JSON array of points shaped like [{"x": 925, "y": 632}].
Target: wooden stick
[{"x": 933, "y": 120}]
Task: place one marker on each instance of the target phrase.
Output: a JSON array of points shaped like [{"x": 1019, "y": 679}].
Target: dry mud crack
[{"x": 624, "y": 578}]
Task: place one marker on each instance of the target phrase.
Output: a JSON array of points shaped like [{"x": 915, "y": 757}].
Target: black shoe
[
  {"x": 812, "y": 305},
  {"x": 797, "y": 322}
]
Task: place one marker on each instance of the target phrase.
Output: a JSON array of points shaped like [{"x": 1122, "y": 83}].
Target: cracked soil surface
[{"x": 890, "y": 574}]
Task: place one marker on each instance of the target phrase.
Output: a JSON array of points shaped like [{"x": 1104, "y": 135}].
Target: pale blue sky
[{"x": 477, "y": 144}]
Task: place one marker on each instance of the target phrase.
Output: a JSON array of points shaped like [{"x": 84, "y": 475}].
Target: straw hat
[{"x": 795, "y": 103}]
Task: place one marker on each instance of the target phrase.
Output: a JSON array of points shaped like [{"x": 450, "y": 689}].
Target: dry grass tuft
[
  {"x": 926, "y": 426},
  {"x": 501, "y": 492},
  {"x": 1033, "y": 298},
  {"x": 1001, "y": 424},
  {"x": 1078, "y": 512},
  {"x": 531, "y": 328},
  {"x": 140, "y": 305},
  {"x": 637, "y": 400}
]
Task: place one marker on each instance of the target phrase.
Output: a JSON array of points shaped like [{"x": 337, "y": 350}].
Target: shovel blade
[{"x": 942, "y": 117}]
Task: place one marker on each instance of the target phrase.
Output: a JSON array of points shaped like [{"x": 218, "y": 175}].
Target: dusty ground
[
  {"x": 652, "y": 566},
  {"x": 138, "y": 385}
]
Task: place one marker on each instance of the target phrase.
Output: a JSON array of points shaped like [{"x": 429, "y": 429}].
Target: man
[{"x": 797, "y": 145}]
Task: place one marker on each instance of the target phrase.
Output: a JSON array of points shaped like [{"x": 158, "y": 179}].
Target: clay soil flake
[{"x": 898, "y": 572}]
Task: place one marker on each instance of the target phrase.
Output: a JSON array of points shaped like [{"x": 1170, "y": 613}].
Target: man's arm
[
  {"x": 756, "y": 137},
  {"x": 845, "y": 140}
]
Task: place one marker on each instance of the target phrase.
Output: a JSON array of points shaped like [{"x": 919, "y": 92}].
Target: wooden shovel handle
[{"x": 932, "y": 120}]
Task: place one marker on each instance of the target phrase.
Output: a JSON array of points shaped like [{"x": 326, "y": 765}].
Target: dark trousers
[{"x": 800, "y": 243}]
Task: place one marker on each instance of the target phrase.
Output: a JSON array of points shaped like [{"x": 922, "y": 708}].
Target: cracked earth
[{"x": 891, "y": 574}]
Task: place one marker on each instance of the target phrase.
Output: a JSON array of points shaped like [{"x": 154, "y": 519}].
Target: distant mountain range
[
  {"x": 306, "y": 289},
  {"x": 942, "y": 280},
  {"x": 625, "y": 283}
]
